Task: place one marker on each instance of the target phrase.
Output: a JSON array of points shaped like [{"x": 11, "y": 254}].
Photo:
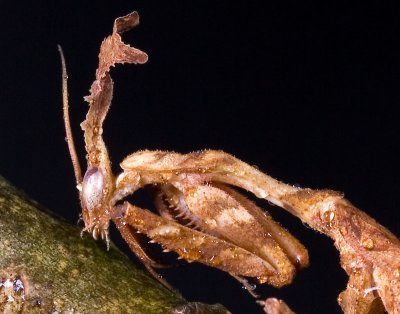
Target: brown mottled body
[
  {"x": 369, "y": 253},
  {"x": 201, "y": 218},
  {"x": 204, "y": 218}
]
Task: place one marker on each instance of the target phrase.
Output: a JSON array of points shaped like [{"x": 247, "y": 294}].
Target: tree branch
[{"x": 46, "y": 267}]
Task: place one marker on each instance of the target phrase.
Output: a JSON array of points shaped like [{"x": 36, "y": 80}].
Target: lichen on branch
[{"x": 45, "y": 266}]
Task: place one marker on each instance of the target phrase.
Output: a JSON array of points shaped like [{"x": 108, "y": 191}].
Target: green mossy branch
[{"x": 46, "y": 267}]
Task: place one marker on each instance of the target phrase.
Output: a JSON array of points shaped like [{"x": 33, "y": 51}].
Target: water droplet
[
  {"x": 343, "y": 231},
  {"x": 262, "y": 194},
  {"x": 328, "y": 217},
  {"x": 262, "y": 279},
  {"x": 368, "y": 244},
  {"x": 193, "y": 194}
]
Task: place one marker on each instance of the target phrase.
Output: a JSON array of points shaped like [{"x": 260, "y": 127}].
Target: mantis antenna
[{"x": 69, "y": 137}]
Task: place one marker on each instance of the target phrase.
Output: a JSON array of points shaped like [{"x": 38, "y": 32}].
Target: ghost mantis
[{"x": 203, "y": 217}]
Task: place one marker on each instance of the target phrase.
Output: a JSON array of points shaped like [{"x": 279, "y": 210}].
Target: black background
[{"x": 307, "y": 92}]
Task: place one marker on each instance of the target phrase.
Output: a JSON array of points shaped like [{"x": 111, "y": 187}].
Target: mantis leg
[{"x": 190, "y": 244}]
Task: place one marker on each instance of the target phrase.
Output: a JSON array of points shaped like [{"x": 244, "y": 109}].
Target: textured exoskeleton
[{"x": 204, "y": 217}]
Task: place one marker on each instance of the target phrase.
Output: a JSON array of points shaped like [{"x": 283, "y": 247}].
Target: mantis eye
[{"x": 92, "y": 188}]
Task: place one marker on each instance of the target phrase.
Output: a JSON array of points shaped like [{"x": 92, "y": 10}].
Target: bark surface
[{"x": 46, "y": 267}]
